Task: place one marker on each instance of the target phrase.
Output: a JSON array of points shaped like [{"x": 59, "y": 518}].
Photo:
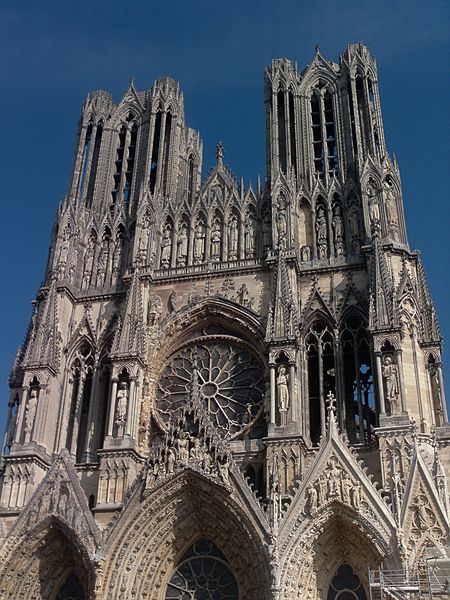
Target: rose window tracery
[
  {"x": 230, "y": 382},
  {"x": 203, "y": 574}
]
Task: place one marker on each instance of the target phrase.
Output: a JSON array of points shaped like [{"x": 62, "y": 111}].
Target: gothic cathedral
[{"x": 229, "y": 392}]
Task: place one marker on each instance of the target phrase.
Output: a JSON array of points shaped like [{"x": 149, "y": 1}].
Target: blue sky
[{"x": 53, "y": 52}]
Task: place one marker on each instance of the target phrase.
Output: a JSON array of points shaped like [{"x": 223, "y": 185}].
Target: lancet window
[
  {"x": 86, "y": 156},
  {"x": 325, "y": 155},
  {"x": 124, "y": 163},
  {"x": 190, "y": 179},
  {"x": 80, "y": 388},
  {"x": 358, "y": 407},
  {"x": 345, "y": 370},
  {"x": 282, "y": 141},
  {"x": 321, "y": 374},
  {"x": 203, "y": 572}
]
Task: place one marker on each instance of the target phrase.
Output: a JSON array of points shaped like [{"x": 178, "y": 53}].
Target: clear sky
[{"x": 52, "y": 53}]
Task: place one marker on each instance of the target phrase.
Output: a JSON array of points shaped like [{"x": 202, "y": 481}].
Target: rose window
[
  {"x": 203, "y": 574},
  {"x": 230, "y": 383}
]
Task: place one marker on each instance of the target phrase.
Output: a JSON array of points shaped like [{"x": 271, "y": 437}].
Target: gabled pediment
[
  {"x": 336, "y": 477},
  {"x": 60, "y": 496}
]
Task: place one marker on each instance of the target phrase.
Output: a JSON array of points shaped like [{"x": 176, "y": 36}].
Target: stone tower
[{"x": 225, "y": 390}]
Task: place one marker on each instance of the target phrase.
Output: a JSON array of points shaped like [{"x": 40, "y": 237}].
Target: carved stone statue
[
  {"x": 266, "y": 231},
  {"x": 64, "y": 251},
  {"x": 183, "y": 447},
  {"x": 356, "y": 494},
  {"x": 390, "y": 205},
  {"x": 154, "y": 310},
  {"x": 166, "y": 248},
  {"x": 216, "y": 241},
  {"x": 321, "y": 233},
  {"x": 282, "y": 228},
  {"x": 338, "y": 231},
  {"x": 199, "y": 243},
  {"x": 354, "y": 230},
  {"x": 312, "y": 497},
  {"x": 121, "y": 407},
  {"x": 171, "y": 458},
  {"x": 233, "y": 235},
  {"x": 102, "y": 265},
  {"x": 30, "y": 413},
  {"x": 322, "y": 490},
  {"x": 250, "y": 238},
  {"x": 88, "y": 262},
  {"x": 195, "y": 450},
  {"x": 182, "y": 246},
  {"x": 115, "y": 267},
  {"x": 389, "y": 371},
  {"x": 283, "y": 393},
  {"x": 346, "y": 486},
  {"x": 172, "y": 302},
  {"x": 244, "y": 296}
]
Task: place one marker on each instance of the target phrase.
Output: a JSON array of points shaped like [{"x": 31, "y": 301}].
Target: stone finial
[{"x": 219, "y": 153}]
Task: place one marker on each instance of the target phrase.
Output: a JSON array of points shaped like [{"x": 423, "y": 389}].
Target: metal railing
[{"x": 424, "y": 584}]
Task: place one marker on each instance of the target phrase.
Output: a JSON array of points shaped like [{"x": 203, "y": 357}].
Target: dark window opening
[
  {"x": 282, "y": 149},
  {"x": 86, "y": 153},
  {"x": 167, "y": 135},
  {"x": 190, "y": 187},
  {"x": 155, "y": 152},
  {"x": 317, "y": 134},
  {"x": 362, "y": 112},
  {"x": 94, "y": 165},
  {"x": 352, "y": 118},
  {"x": 292, "y": 132},
  {"x": 71, "y": 589}
]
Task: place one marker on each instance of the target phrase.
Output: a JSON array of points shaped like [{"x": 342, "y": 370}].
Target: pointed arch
[{"x": 174, "y": 516}]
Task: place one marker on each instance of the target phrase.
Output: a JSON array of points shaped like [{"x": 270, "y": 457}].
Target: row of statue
[
  {"x": 186, "y": 449},
  {"x": 175, "y": 245},
  {"x": 390, "y": 206},
  {"x": 334, "y": 484}
]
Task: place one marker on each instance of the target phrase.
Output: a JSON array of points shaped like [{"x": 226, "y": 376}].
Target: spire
[
  {"x": 130, "y": 337},
  {"x": 282, "y": 323},
  {"x": 382, "y": 289},
  {"x": 45, "y": 350},
  {"x": 219, "y": 154}
]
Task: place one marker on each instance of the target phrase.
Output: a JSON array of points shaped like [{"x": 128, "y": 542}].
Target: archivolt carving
[{"x": 150, "y": 538}]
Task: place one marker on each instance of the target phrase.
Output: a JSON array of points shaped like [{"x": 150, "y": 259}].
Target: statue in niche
[
  {"x": 305, "y": 253},
  {"x": 391, "y": 210},
  {"x": 64, "y": 252},
  {"x": 266, "y": 231},
  {"x": 222, "y": 466},
  {"x": 115, "y": 267},
  {"x": 250, "y": 237},
  {"x": 199, "y": 243},
  {"x": 121, "y": 407},
  {"x": 30, "y": 413},
  {"x": 321, "y": 232},
  {"x": 389, "y": 371},
  {"x": 182, "y": 246},
  {"x": 103, "y": 262},
  {"x": 195, "y": 450},
  {"x": 283, "y": 393},
  {"x": 338, "y": 231},
  {"x": 322, "y": 490},
  {"x": 166, "y": 247},
  {"x": 282, "y": 228},
  {"x": 233, "y": 235},
  {"x": 436, "y": 393},
  {"x": 216, "y": 241},
  {"x": 353, "y": 225},
  {"x": 88, "y": 262},
  {"x": 154, "y": 310},
  {"x": 334, "y": 488},
  {"x": 374, "y": 209}
]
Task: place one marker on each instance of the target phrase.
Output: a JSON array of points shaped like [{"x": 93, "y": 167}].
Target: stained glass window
[
  {"x": 230, "y": 380},
  {"x": 202, "y": 574},
  {"x": 346, "y": 585}
]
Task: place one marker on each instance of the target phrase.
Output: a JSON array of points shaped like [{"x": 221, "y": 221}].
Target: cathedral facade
[{"x": 228, "y": 392}]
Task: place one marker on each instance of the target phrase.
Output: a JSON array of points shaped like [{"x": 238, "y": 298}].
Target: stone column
[
  {"x": 112, "y": 408},
  {"x": 380, "y": 383},
  {"x": 398, "y": 354},
  {"x": 441, "y": 385},
  {"x": 131, "y": 409},
  {"x": 292, "y": 392},
  {"x": 272, "y": 393},
  {"x": 21, "y": 415}
]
